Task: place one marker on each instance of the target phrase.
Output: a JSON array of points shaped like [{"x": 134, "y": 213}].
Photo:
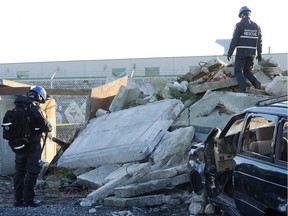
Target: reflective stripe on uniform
[
  {"x": 249, "y": 37},
  {"x": 19, "y": 147},
  {"x": 246, "y": 47}
]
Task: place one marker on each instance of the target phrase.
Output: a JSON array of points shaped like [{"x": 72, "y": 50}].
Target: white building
[{"x": 138, "y": 67}]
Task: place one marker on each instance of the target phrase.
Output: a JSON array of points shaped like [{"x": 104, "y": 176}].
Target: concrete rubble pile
[
  {"x": 136, "y": 152},
  {"x": 205, "y": 76}
]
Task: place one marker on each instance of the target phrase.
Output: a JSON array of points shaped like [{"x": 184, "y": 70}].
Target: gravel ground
[{"x": 68, "y": 203}]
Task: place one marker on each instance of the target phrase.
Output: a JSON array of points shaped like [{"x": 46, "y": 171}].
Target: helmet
[
  {"x": 242, "y": 9},
  {"x": 41, "y": 91}
]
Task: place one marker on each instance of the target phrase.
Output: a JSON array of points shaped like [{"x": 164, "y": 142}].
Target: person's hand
[
  {"x": 259, "y": 57},
  {"x": 228, "y": 57}
]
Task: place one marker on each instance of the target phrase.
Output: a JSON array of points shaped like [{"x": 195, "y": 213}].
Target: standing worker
[
  {"x": 28, "y": 163},
  {"x": 247, "y": 38}
]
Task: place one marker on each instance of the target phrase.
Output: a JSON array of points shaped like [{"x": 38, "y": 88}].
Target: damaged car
[{"x": 243, "y": 168}]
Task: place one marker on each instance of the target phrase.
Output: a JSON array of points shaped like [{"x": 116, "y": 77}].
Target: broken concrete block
[
  {"x": 86, "y": 202},
  {"x": 96, "y": 178},
  {"x": 203, "y": 87},
  {"x": 124, "y": 98},
  {"x": 101, "y": 112},
  {"x": 144, "y": 86},
  {"x": 142, "y": 101},
  {"x": 165, "y": 92},
  {"x": 262, "y": 77},
  {"x": 216, "y": 108},
  {"x": 150, "y": 186},
  {"x": 190, "y": 76},
  {"x": 196, "y": 208},
  {"x": 209, "y": 209},
  {"x": 136, "y": 189},
  {"x": 198, "y": 203},
  {"x": 165, "y": 173},
  {"x": 151, "y": 200},
  {"x": 103, "y": 141},
  {"x": 125, "y": 169},
  {"x": 172, "y": 149},
  {"x": 128, "y": 178},
  {"x": 278, "y": 86}
]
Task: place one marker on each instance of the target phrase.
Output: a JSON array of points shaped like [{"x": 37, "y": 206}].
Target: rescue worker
[
  {"x": 27, "y": 164},
  {"x": 247, "y": 39}
]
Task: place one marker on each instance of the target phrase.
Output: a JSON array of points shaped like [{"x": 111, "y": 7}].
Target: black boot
[
  {"x": 257, "y": 84},
  {"x": 18, "y": 203},
  {"x": 31, "y": 204}
]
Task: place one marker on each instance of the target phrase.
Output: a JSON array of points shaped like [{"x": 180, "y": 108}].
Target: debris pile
[
  {"x": 270, "y": 68},
  {"x": 135, "y": 153}
]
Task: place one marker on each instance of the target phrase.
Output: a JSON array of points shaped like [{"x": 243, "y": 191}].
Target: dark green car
[{"x": 245, "y": 170}]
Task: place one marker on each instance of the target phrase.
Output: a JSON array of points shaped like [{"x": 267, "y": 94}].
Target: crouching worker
[{"x": 27, "y": 162}]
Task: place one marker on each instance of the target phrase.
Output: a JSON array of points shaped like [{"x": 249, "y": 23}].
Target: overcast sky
[{"x": 64, "y": 30}]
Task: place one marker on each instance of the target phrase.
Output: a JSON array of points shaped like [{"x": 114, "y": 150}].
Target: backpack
[{"x": 16, "y": 127}]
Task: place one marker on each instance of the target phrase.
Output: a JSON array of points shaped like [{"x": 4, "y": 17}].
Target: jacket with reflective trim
[{"x": 247, "y": 38}]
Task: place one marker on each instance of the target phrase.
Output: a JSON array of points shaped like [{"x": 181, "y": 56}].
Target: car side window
[{"x": 258, "y": 136}]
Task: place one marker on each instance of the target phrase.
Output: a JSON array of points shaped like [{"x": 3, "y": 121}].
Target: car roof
[{"x": 275, "y": 105}]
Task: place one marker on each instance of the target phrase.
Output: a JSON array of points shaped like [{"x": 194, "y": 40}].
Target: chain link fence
[{"x": 70, "y": 109}]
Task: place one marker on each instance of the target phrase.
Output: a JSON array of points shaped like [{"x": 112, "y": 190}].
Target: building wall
[
  {"x": 7, "y": 158},
  {"x": 167, "y": 66}
]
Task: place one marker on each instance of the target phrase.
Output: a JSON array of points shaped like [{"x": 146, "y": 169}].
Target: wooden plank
[
  {"x": 14, "y": 90},
  {"x": 10, "y": 83},
  {"x": 102, "y": 96},
  {"x": 49, "y": 151}
]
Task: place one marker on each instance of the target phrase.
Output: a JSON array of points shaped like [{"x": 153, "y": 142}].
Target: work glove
[
  {"x": 259, "y": 57},
  {"x": 228, "y": 57}
]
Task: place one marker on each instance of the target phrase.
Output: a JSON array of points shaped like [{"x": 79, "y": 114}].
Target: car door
[{"x": 260, "y": 177}]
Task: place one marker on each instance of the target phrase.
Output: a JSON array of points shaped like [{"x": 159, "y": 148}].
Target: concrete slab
[
  {"x": 121, "y": 137},
  {"x": 136, "y": 189},
  {"x": 151, "y": 200},
  {"x": 203, "y": 87},
  {"x": 125, "y": 169},
  {"x": 216, "y": 108},
  {"x": 96, "y": 178},
  {"x": 120, "y": 180},
  {"x": 262, "y": 77},
  {"x": 173, "y": 148},
  {"x": 166, "y": 173}
]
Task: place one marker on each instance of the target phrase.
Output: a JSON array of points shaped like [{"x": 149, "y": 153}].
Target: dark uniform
[
  {"x": 247, "y": 38},
  {"x": 27, "y": 164}
]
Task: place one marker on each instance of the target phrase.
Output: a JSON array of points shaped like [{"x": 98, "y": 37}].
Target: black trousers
[
  {"x": 243, "y": 70},
  {"x": 27, "y": 171}
]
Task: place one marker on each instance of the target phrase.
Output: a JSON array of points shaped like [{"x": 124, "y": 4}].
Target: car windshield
[{"x": 235, "y": 128}]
